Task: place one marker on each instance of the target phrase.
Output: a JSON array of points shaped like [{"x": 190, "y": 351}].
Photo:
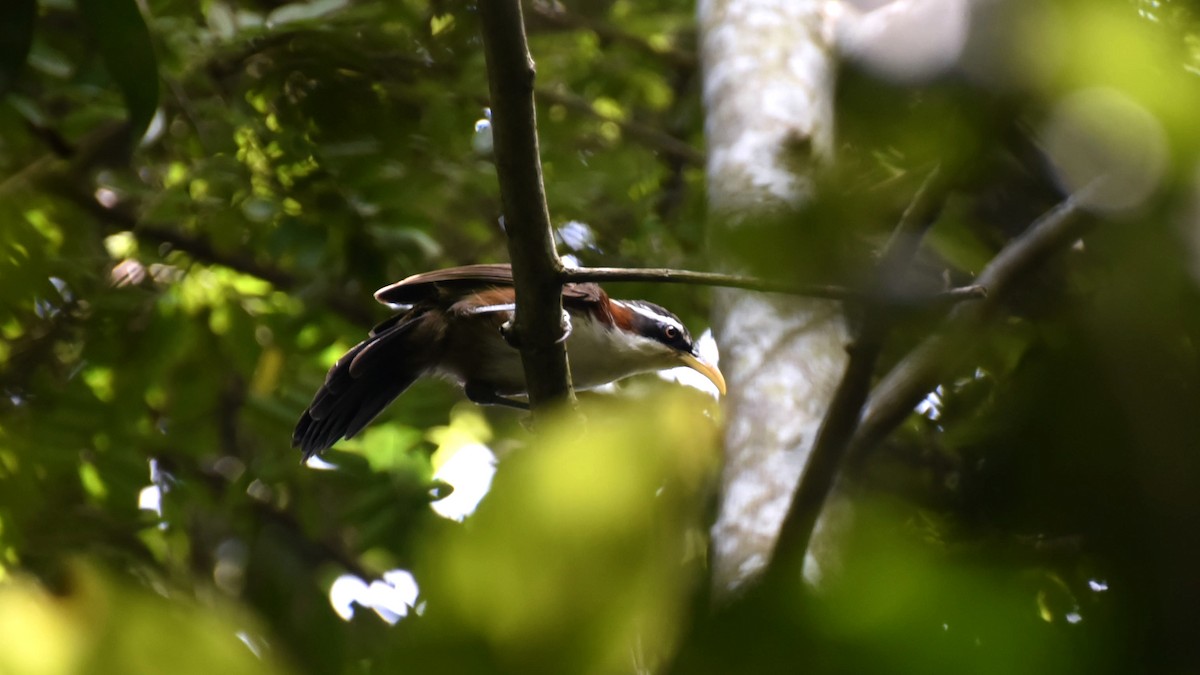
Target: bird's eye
[{"x": 671, "y": 332}]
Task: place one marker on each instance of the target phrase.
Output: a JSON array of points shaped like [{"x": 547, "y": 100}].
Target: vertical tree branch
[
  {"x": 768, "y": 96},
  {"x": 535, "y": 262}
]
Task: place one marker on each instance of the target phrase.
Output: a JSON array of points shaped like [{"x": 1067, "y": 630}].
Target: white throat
[{"x": 611, "y": 354}]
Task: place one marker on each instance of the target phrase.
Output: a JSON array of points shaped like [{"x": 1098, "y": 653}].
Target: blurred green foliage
[{"x": 170, "y": 300}]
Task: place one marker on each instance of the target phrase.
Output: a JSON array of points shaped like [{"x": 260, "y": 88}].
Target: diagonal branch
[
  {"x": 838, "y": 425},
  {"x": 104, "y": 146},
  {"x": 535, "y": 263},
  {"x": 201, "y": 248},
  {"x": 918, "y": 373}
]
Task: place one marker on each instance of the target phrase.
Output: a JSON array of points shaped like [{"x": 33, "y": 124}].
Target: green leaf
[
  {"x": 128, "y": 54},
  {"x": 16, "y": 35},
  {"x": 304, "y": 11}
]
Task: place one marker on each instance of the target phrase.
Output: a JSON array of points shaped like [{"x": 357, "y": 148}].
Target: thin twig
[
  {"x": 674, "y": 276},
  {"x": 64, "y": 177},
  {"x": 535, "y": 263},
  {"x": 825, "y": 291},
  {"x": 202, "y": 249},
  {"x": 102, "y": 146}
]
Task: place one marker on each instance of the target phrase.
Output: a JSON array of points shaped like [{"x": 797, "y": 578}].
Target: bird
[{"x": 455, "y": 322}]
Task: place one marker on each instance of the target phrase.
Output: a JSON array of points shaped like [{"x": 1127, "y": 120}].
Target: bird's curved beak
[{"x": 704, "y": 368}]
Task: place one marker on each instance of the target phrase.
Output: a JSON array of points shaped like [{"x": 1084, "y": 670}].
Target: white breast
[
  {"x": 600, "y": 354},
  {"x": 597, "y": 353}
]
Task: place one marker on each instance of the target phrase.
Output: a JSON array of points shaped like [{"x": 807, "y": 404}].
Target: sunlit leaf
[
  {"x": 100, "y": 626},
  {"x": 603, "y": 520}
]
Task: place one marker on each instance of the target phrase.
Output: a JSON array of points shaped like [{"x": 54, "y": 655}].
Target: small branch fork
[
  {"x": 920, "y": 371},
  {"x": 854, "y": 423}
]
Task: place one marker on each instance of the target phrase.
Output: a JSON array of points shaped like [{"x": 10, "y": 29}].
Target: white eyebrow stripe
[{"x": 654, "y": 316}]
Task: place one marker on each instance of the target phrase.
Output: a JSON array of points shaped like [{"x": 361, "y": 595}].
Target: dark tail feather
[{"x": 361, "y": 384}]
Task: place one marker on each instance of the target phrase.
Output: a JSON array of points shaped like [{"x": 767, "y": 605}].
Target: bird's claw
[
  {"x": 508, "y": 331},
  {"x": 484, "y": 395},
  {"x": 565, "y": 325}
]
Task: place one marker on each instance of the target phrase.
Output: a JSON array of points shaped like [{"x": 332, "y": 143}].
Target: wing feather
[
  {"x": 363, "y": 382},
  {"x": 400, "y": 349},
  {"x": 428, "y": 285},
  {"x": 424, "y": 286}
]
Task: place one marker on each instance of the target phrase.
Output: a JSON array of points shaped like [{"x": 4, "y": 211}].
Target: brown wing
[
  {"x": 587, "y": 295},
  {"x": 366, "y": 379},
  {"x": 425, "y": 286}
]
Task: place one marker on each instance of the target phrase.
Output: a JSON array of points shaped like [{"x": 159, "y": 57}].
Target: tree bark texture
[
  {"x": 535, "y": 262},
  {"x": 768, "y": 87}
]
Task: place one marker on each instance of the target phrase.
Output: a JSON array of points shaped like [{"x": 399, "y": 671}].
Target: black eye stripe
[{"x": 655, "y": 322}]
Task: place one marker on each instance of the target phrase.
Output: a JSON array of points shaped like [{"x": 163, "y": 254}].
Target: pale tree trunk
[{"x": 768, "y": 89}]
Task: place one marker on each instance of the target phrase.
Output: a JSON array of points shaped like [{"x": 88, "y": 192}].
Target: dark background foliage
[{"x": 197, "y": 200}]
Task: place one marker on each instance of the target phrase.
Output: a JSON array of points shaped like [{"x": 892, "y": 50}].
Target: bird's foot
[
  {"x": 508, "y": 331},
  {"x": 484, "y": 395},
  {"x": 565, "y": 325}
]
